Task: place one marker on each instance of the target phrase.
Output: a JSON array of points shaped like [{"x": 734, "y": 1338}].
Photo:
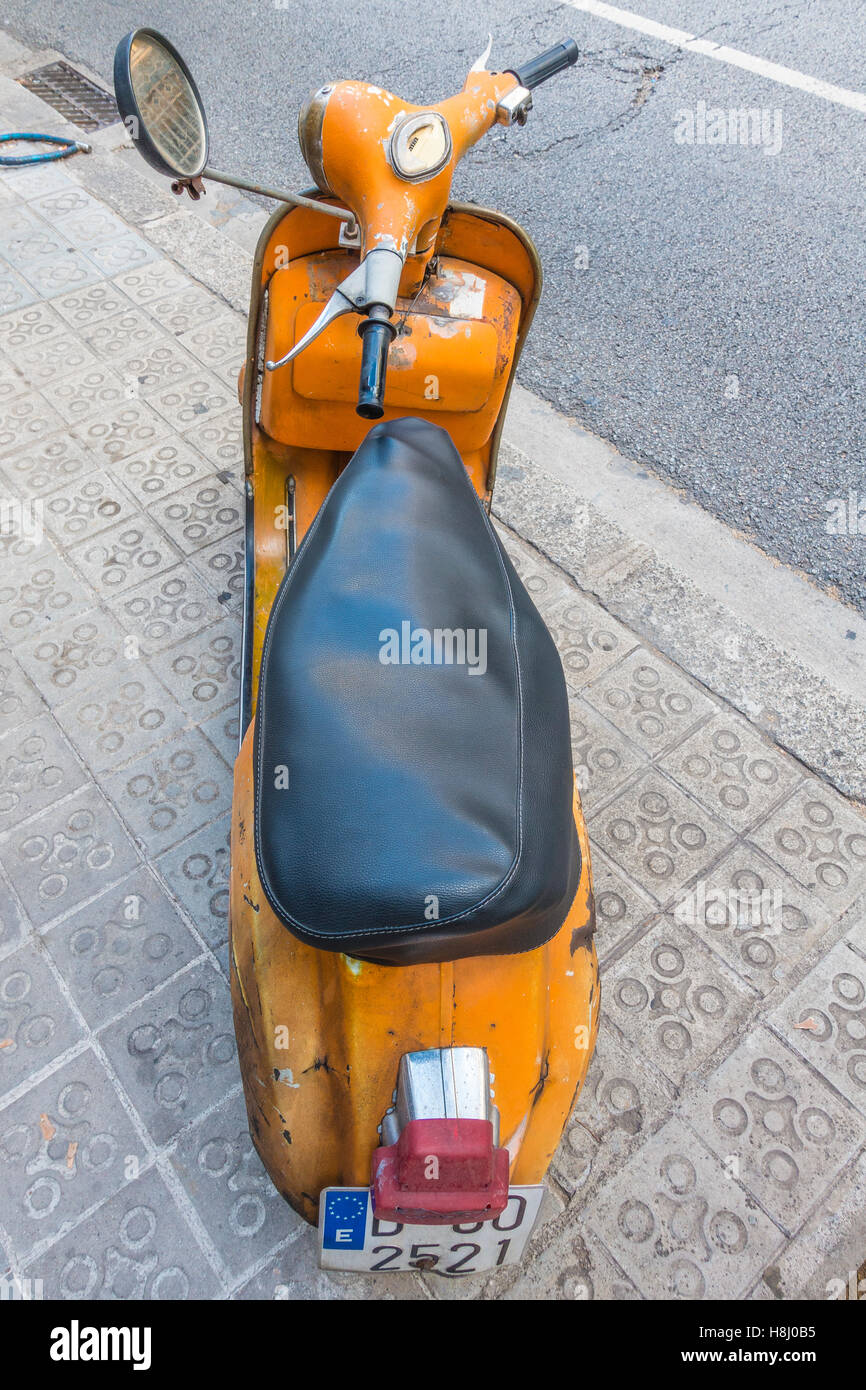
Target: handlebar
[
  {"x": 376, "y": 332},
  {"x": 351, "y": 140},
  {"x": 548, "y": 64}
]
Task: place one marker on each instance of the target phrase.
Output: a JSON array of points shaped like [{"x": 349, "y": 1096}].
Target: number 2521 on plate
[{"x": 351, "y": 1238}]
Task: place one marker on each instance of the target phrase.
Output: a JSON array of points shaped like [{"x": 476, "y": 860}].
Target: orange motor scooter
[{"x": 413, "y": 973}]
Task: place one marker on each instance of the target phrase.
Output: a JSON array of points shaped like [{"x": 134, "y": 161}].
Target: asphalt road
[{"x": 704, "y": 302}]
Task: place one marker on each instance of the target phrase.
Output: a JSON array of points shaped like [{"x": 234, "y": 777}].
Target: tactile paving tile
[
  {"x": 227, "y": 1184},
  {"x": 65, "y": 855},
  {"x": 831, "y": 1003},
  {"x": 64, "y": 1144},
  {"x": 170, "y": 791},
  {"x": 679, "y": 1226},
  {"x": 781, "y": 1131},
  {"x": 136, "y": 1246},
  {"x": 621, "y": 1103},
  {"x": 36, "y": 1022},
  {"x": 674, "y": 1000},
  {"x": 175, "y": 1052},
  {"x": 658, "y": 835},
  {"x": 756, "y": 917},
  {"x": 820, "y": 841},
  {"x": 114, "y": 951},
  {"x": 734, "y": 773},
  {"x": 197, "y": 873},
  {"x": 649, "y": 701}
]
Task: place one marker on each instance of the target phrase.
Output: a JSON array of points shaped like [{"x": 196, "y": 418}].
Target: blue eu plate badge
[{"x": 344, "y": 1218}]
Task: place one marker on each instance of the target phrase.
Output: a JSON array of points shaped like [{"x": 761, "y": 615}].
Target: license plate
[{"x": 351, "y": 1238}]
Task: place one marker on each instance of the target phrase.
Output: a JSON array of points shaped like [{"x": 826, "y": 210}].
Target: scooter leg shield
[{"x": 320, "y": 1035}]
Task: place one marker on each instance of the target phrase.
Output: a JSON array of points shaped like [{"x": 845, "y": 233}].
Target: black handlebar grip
[
  {"x": 377, "y": 333},
  {"x": 547, "y": 64}
]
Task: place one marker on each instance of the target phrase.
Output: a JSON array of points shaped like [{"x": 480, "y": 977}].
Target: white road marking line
[{"x": 776, "y": 72}]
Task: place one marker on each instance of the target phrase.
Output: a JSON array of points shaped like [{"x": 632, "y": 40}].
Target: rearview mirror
[{"x": 160, "y": 104}]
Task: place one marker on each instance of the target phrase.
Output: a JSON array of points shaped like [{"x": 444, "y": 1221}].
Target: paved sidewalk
[{"x": 718, "y": 1146}]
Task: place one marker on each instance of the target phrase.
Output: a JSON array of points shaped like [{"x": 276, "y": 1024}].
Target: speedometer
[{"x": 421, "y": 146}]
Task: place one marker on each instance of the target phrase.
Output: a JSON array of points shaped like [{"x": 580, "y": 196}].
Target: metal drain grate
[{"x": 72, "y": 94}]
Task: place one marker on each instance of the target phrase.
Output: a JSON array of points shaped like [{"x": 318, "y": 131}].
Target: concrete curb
[{"x": 787, "y": 655}]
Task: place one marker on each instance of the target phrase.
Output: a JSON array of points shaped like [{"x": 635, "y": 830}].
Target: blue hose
[{"x": 44, "y": 156}]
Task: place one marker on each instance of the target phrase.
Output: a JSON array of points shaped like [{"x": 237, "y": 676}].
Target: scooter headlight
[{"x": 420, "y": 146}]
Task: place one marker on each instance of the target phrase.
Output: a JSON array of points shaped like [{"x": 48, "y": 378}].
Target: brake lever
[{"x": 375, "y": 281}]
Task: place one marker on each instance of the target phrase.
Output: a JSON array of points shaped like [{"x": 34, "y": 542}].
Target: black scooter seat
[{"x": 412, "y": 758}]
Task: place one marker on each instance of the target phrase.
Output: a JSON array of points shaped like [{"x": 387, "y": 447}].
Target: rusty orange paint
[
  {"x": 390, "y": 211},
  {"x": 450, "y": 363},
  {"x": 320, "y": 1036}
]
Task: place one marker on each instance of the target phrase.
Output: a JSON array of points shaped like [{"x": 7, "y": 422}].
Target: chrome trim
[
  {"x": 514, "y": 107},
  {"x": 310, "y": 120},
  {"x": 438, "y": 1084},
  {"x": 407, "y": 125},
  {"x": 375, "y": 281}
]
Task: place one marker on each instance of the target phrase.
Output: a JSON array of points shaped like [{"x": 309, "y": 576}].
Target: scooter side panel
[
  {"x": 320, "y": 1036},
  {"x": 450, "y": 362}
]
